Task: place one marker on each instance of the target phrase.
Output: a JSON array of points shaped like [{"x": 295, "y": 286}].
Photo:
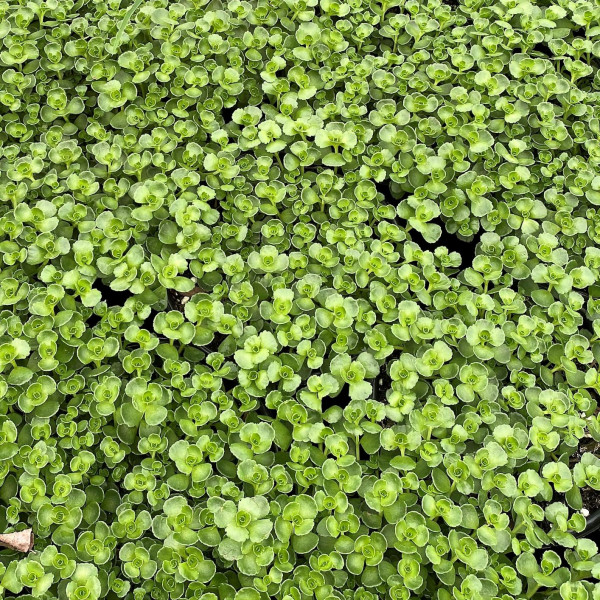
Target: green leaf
[
  {"x": 8, "y": 450},
  {"x": 542, "y": 297},
  {"x": 527, "y": 565},
  {"x": 19, "y": 376},
  {"x": 303, "y": 544}
]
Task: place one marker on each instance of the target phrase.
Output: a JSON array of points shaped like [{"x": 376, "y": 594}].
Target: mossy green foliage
[{"x": 240, "y": 356}]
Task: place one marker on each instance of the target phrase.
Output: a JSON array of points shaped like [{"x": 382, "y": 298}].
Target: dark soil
[
  {"x": 585, "y": 445},
  {"x": 177, "y": 299},
  {"x": 591, "y": 499}
]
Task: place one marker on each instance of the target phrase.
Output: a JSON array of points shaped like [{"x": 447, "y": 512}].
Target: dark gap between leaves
[
  {"x": 227, "y": 113},
  {"x": 380, "y": 384},
  {"x": 92, "y": 321},
  {"x": 585, "y": 445},
  {"x": 110, "y": 296},
  {"x": 342, "y": 399},
  {"x": 228, "y": 384},
  {"x": 587, "y": 323},
  {"x": 544, "y": 49},
  {"x": 384, "y": 188},
  {"x": 591, "y": 500},
  {"x": 175, "y": 300},
  {"x": 466, "y": 249},
  {"x": 514, "y": 285},
  {"x": 383, "y": 382}
]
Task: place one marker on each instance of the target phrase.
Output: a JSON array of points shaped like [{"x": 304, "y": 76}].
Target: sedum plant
[{"x": 299, "y": 299}]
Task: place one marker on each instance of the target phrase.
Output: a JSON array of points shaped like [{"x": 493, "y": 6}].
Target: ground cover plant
[{"x": 300, "y": 299}]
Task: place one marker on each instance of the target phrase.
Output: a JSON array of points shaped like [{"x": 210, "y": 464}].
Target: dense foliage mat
[{"x": 240, "y": 355}]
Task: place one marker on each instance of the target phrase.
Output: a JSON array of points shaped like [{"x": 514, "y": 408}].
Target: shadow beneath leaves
[
  {"x": 466, "y": 249},
  {"x": 110, "y": 296}
]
